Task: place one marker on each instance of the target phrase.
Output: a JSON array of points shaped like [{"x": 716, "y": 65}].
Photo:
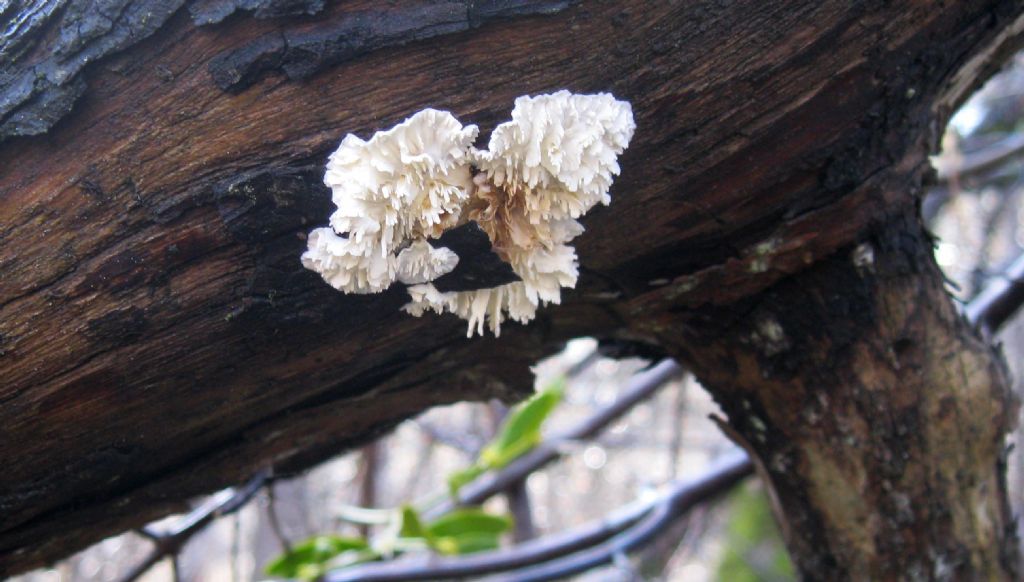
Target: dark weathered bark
[
  {"x": 878, "y": 416},
  {"x": 159, "y": 339}
]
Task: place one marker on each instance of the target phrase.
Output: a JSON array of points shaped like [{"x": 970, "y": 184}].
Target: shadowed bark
[{"x": 163, "y": 160}]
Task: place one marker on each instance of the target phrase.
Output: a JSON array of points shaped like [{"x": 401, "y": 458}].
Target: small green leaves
[
  {"x": 521, "y": 430},
  {"x": 470, "y": 520},
  {"x": 411, "y": 526},
  {"x": 467, "y": 543},
  {"x": 519, "y": 433},
  {"x": 459, "y": 478},
  {"x": 468, "y": 530},
  {"x": 309, "y": 559},
  {"x": 462, "y": 531}
]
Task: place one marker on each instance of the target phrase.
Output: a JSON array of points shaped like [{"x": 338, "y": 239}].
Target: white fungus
[
  {"x": 545, "y": 168},
  {"x": 347, "y": 266},
  {"x": 420, "y": 263},
  {"x": 492, "y": 305},
  {"x": 404, "y": 184},
  {"x": 560, "y": 151}
]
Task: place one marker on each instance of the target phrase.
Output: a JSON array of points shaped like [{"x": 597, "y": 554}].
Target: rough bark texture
[
  {"x": 159, "y": 339},
  {"x": 876, "y": 414}
]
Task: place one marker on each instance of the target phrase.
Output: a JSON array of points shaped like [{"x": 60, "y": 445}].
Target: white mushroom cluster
[
  {"x": 542, "y": 170},
  {"x": 405, "y": 185}
]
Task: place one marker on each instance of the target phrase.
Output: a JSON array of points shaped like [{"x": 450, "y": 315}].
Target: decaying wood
[{"x": 159, "y": 338}]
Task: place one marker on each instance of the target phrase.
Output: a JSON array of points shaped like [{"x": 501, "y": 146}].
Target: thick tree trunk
[
  {"x": 159, "y": 338},
  {"x": 878, "y": 416}
]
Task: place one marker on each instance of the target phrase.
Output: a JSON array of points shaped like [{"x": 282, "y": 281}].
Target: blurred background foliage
[{"x": 753, "y": 550}]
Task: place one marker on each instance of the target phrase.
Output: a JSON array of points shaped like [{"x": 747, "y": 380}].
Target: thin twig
[
  {"x": 641, "y": 387},
  {"x": 679, "y": 412},
  {"x": 999, "y": 300},
  {"x": 572, "y": 551},
  {"x": 236, "y": 547},
  {"x": 464, "y": 443},
  {"x": 583, "y": 364},
  {"x": 369, "y": 466},
  {"x": 521, "y": 508},
  {"x": 982, "y": 161},
  {"x": 275, "y": 523},
  {"x": 683, "y": 497},
  {"x": 424, "y": 458},
  {"x": 517, "y": 495},
  {"x": 169, "y": 543}
]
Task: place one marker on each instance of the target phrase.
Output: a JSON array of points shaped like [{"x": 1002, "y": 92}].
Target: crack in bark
[{"x": 300, "y": 55}]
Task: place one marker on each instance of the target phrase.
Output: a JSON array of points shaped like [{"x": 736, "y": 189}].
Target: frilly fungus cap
[{"x": 544, "y": 169}]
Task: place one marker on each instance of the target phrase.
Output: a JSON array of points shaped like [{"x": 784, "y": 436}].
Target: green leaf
[
  {"x": 521, "y": 430},
  {"x": 411, "y": 525},
  {"x": 469, "y": 521},
  {"x": 458, "y": 479},
  {"x": 754, "y": 551},
  {"x": 352, "y": 558},
  {"x": 306, "y": 559},
  {"x": 518, "y": 434},
  {"x": 467, "y": 543}
]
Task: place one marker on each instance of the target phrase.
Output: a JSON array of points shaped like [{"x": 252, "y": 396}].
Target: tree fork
[{"x": 876, "y": 411}]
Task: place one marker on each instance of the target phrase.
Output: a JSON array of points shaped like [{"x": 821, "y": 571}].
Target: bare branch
[
  {"x": 169, "y": 543},
  {"x": 679, "y": 501},
  {"x": 999, "y": 300},
  {"x": 517, "y": 495},
  {"x": 369, "y": 467},
  {"x": 462, "y": 442},
  {"x": 982, "y": 161},
  {"x": 956, "y": 169},
  {"x": 275, "y": 523},
  {"x": 591, "y": 545},
  {"x": 641, "y": 387}
]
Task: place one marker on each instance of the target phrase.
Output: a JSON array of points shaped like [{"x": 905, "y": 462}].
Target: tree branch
[
  {"x": 982, "y": 161},
  {"x": 641, "y": 387},
  {"x": 275, "y": 522},
  {"x": 462, "y": 442},
  {"x": 979, "y": 167},
  {"x": 999, "y": 300},
  {"x": 588, "y": 546},
  {"x": 170, "y": 542},
  {"x": 991, "y": 309},
  {"x": 681, "y": 499}
]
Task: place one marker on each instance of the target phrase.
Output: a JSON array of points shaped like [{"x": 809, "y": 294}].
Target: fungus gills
[{"x": 549, "y": 165}]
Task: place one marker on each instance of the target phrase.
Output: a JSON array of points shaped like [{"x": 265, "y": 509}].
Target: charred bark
[{"x": 159, "y": 338}]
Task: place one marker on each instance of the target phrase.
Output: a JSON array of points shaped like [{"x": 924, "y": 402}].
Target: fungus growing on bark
[
  {"x": 545, "y": 168},
  {"x": 403, "y": 185},
  {"x": 420, "y": 263}
]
